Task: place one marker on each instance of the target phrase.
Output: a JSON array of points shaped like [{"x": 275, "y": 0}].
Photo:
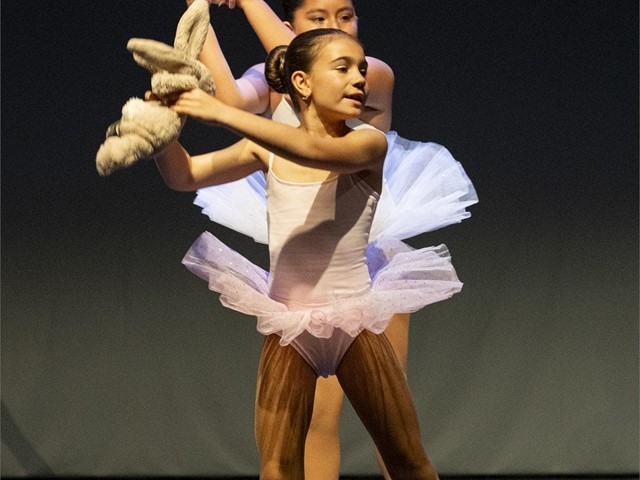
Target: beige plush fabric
[{"x": 147, "y": 127}]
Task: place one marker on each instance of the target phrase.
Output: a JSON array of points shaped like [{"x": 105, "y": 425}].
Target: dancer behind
[
  {"x": 324, "y": 181},
  {"x": 252, "y": 93}
]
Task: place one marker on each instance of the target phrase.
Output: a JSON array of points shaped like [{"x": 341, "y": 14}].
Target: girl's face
[
  {"x": 336, "y": 83},
  {"x": 313, "y": 14}
]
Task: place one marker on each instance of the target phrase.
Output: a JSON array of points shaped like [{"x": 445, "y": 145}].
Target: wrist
[{"x": 247, "y": 4}]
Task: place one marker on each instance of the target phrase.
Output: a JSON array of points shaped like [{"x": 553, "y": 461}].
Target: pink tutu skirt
[
  {"x": 403, "y": 280},
  {"x": 424, "y": 189}
]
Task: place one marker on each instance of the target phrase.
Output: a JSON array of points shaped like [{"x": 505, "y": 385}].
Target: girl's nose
[{"x": 359, "y": 80}]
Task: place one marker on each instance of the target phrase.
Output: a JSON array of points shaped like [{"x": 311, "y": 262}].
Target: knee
[
  {"x": 325, "y": 418},
  {"x": 326, "y": 415},
  {"x": 274, "y": 470},
  {"x": 412, "y": 468},
  {"x": 270, "y": 471}
]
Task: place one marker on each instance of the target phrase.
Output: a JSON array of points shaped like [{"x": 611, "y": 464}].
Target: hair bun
[{"x": 275, "y": 70}]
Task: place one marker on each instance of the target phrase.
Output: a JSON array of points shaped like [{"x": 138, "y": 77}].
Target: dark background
[{"x": 117, "y": 361}]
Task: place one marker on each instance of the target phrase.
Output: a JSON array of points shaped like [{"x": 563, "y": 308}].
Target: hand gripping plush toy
[{"x": 146, "y": 127}]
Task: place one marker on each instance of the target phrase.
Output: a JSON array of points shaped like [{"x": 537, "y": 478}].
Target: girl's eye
[
  {"x": 346, "y": 18},
  {"x": 342, "y": 69},
  {"x": 317, "y": 19}
]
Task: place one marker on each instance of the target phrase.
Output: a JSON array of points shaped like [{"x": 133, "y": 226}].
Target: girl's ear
[
  {"x": 301, "y": 83},
  {"x": 289, "y": 26}
]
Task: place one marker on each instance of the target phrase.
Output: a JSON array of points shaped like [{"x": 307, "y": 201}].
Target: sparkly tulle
[
  {"x": 403, "y": 279},
  {"x": 424, "y": 189}
]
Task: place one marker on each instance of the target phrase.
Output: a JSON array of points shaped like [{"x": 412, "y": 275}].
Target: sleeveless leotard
[{"x": 318, "y": 235}]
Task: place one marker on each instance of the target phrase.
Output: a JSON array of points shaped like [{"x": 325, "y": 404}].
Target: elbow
[
  {"x": 180, "y": 186},
  {"x": 231, "y": 99}
]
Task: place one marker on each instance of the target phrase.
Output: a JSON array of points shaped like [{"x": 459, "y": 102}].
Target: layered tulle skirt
[
  {"x": 424, "y": 189},
  {"x": 403, "y": 279}
]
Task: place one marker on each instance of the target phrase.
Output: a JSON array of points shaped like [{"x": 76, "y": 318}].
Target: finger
[{"x": 170, "y": 99}]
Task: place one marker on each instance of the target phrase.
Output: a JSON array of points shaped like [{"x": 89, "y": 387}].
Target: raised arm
[
  {"x": 249, "y": 93},
  {"x": 269, "y": 28},
  {"x": 357, "y": 151}
]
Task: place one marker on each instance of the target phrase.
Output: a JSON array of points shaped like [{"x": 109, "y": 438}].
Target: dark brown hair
[{"x": 298, "y": 56}]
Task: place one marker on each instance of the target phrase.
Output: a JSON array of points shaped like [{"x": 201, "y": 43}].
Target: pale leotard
[{"x": 318, "y": 234}]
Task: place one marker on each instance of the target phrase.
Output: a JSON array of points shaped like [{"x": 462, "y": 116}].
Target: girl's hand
[
  {"x": 198, "y": 104},
  {"x": 211, "y": 2},
  {"x": 167, "y": 101},
  {"x": 228, "y": 3},
  {"x": 149, "y": 96}
]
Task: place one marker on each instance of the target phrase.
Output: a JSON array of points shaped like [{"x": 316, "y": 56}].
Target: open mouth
[{"x": 358, "y": 97}]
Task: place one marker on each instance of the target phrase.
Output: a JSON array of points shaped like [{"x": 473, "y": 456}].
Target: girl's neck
[{"x": 315, "y": 124}]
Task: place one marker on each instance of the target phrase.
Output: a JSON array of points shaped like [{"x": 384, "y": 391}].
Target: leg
[
  {"x": 284, "y": 404},
  {"x": 373, "y": 380},
  {"x": 397, "y": 333},
  {"x": 322, "y": 449}
]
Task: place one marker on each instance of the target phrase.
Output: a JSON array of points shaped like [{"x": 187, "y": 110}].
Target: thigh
[
  {"x": 373, "y": 380},
  {"x": 328, "y": 399},
  {"x": 284, "y": 404},
  {"x": 397, "y": 332}
]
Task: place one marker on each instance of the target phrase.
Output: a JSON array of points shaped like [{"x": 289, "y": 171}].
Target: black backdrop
[{"x": 115, "y": 360}]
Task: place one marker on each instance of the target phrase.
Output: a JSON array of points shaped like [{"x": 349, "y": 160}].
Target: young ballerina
[
  {"x": 428, "y": 173},
  {"x": 327, "y": 297}
]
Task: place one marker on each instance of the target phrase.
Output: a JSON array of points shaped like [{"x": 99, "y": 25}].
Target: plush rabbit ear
[
  {"x": 156, "y": 56},
  {"x": 192, "y": 29},
  {"x": 159, "y": 57}
]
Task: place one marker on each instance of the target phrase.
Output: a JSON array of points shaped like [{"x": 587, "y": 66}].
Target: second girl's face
[
  {"x": 337, "y": 79},
  {"x": 313, "y": 14}
]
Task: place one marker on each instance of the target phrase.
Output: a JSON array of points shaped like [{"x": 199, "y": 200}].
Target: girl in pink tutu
[
  {"x": 328, "y": 296},
  {"x": 425, "y": 188}
]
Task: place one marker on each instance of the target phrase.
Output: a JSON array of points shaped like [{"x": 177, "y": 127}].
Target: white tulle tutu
[
  {"x": 403, "y": 280},
  {"x": 424, "y": 189},
  {"x": 239, "y": 205}
]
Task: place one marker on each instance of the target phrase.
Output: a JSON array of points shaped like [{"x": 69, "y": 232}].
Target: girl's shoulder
[
  {"x": 379, "y": 67},
  {"x": 357, "y": 124}
]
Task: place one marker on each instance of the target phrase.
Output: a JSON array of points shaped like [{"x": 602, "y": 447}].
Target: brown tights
[{"x": 374, "y": 383}]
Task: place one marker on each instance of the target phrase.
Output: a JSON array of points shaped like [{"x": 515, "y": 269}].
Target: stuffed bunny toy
[{"x": 146, "y": 127}]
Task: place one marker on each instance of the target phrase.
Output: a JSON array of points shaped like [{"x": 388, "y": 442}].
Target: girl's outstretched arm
[
  {"x": 186, "y": 173},
  {"x": 357, "y": 151}
]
